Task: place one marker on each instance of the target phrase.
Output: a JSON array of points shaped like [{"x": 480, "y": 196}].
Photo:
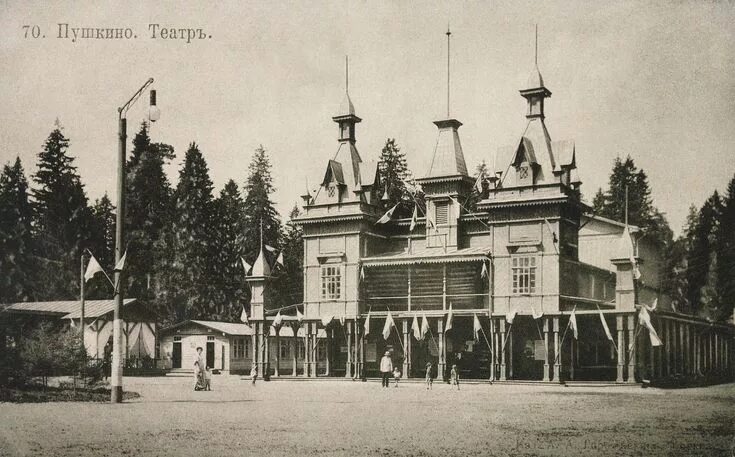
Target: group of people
[
  {"x": 202, "y": 373},
  {"x": 387, "y": 369}
]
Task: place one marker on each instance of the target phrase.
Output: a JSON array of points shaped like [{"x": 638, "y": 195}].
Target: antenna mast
[{"x": 449, "y": 33}]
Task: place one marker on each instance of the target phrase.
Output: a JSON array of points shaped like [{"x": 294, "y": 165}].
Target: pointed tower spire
[
  {"x": 346, "y": 118},
  {"x": 535, "y": 91},
  {"x": 449, "y": 34},
  {"x": 260, "y": 266}
]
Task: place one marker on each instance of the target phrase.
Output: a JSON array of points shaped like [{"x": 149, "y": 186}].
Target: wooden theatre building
[{"x": 529, "y": 258}]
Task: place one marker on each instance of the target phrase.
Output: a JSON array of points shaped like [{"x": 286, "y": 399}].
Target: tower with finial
[
  {"x": 535, "y": 91},
  {"x": 447, "y": 183},
  {"x": 346, "y": 118}
]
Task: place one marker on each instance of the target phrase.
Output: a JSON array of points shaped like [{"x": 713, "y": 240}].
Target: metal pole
[
  {"x": 117, "y": 360},
  {"x": 81, "y": 296}
]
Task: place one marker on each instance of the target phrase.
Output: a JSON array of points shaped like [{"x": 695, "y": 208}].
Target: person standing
[
  {"x": 254, "y": 373},
  {"x": 429, "y": 379},
  {"x": 199, "y": 366},
  {"x": 454, "y": 376},
  {"x": 386, "y": 368}
]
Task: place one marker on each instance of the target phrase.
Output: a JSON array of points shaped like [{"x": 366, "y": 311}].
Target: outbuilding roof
[
  {"x": 68, "y": 309},
  {"x": 428, "y": 255}
]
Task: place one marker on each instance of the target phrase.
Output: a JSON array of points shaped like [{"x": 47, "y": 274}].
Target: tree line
[{"x": 185, "y": 243}]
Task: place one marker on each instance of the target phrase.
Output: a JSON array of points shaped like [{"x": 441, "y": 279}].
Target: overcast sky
[{"x": 655, "y": 81}]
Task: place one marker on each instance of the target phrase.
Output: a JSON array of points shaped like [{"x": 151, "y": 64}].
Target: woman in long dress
[{"x": 199, "y": 371}]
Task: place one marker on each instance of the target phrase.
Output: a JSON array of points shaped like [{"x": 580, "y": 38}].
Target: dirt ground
[{"x": 332, "y": 418}]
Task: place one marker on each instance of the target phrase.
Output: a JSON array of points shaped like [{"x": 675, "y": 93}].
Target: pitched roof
[
  {"x": 66, "y": 308},
  {"x": 448, "y": 158},
  {"x": 230, "y": 328},
  {"x": 428, "y": 255}
]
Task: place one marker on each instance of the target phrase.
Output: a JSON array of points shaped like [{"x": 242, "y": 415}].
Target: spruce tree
[
  {"x": 231, "y": 289},
  {"x": 102, "y": 246},
  {"x": 16, "y": 241},
  {"x": 702, "y": 259},
  {"x": 62, "y": 220},
  {"x": 394, "y": 171},
  {"x": 258, "y": 207},
  {"x": 186, "y": 249},
  {"x": 290, "y": 280},
  {"x": 725, "y": 247},
  {"x": 148, "y": 207}
]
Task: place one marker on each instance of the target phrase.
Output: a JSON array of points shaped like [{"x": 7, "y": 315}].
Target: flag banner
[
  {"x": 388, "y": 324},
  {"x": 299, "y": 316},
  {"x": 424, "y": 326},
  {"x": 93, "y": 267},
  {"x": 573, "y": 324},
  {"x": 653, "y": 305},
  {"x": 121, "y": 264},
  {"x": 367, "y": 324},
  {"x": 414, "y": 217},
  {"x": 604, "y": 325},
  {"x": 476, "y": 327},
  {"x": 72, "y": 323},
  {"x": 484, "y": 272},
  {"x": 415, "y": 328},
  {"x": 270, "y": 248},
  {"x": 342, "y": 320},
  {"x": 636, "y": 270},
  {"x": 450, "y": 318},
  {"x": 245, "y": 265},
  {"x": 326, "y": 320},
  {"x": 478, "y": 182},
  {"x": 537, "y": 314},
  {"x": 278, "y": 320},
  {"x": 455, "y": 207},
  {"x": 510, "y": 316},
  {"x": 388, "y": 214},
  {"x": 279, "y": 260},
  {"x": 362, "y": 273},
  {"x": 244, "y": 316},
  {"x": 429, "y": 219},
  {"x": 645, "y": 319}
]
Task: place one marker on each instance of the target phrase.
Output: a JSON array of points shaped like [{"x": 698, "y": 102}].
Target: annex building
[{"x": 528, "y": 285}]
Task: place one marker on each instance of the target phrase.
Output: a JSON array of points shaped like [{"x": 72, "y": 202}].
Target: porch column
[
  {"x": 407, "y": 355},
  {"x": 444, "y": 286},
  {"x": 294, "y": 348},
  {"x": 408, "y": 287},
  {"x": 546, "y": 349},
  {"x": 442, "y": 356},
  {"x": 254, "y": 346},
  {"x": 697, "y": 351},
  {"x": 348, "y": 365},
  {"x": 631, "y": 340},
  {"x": 683, "y": 349},
  {"x": 501, "y": 321},
  {"x": 687, "y": 351},
  {"x": 328, "y": 350},
  {"x": 493, "y": 351},
  {"x": 307, "y": 350},
  {"x": 667, "y": 345},
  {"x": 261, "y": 349},
  {"x": 278, "y": 351},
  {"x": 361, "y": 362},
  {"x": 266, "y": 350},
  {"x": 651, "y": 362},
  {"x": 619, "y": 322},
  {"x": 572, "y": 359},
  {"x": 717, "y": 352},
  {"x": 557, "y": 351}
]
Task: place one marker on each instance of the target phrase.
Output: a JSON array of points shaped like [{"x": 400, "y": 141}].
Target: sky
[{"x": 653, "y": 80}]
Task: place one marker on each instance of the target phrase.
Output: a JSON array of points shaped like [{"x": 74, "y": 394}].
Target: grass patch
[{"x": 38, "y": 394}]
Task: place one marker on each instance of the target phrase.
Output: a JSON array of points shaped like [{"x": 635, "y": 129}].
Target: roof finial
[
  {"x": 347, "y": 74},
  {"x": 535, "y": 53},
  {"x": 449, "y": 34}
]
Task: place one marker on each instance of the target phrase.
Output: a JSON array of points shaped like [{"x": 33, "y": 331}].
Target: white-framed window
[
  {"x": 238, "y": 348},
  {"x": 524, "y": 274},
  {"x": 285, "y": 349},
  {"x": 331, "y": 282}
]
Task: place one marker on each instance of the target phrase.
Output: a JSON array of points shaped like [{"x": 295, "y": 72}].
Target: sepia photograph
[{"x": 359, "y": 227}]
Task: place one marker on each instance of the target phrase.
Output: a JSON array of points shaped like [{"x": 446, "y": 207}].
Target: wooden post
[
  {"x": 442, "y": 355},
  {"x": 348, "y": 365},
  {"x": 619, "y": 323},
  {"x": 295, "y": 349},
  {"x": 682, "y": 350},
  {"x": 494, "y": 350},
  {"x": 631, "y": 340},
  {"x": 277, "y": 372},
  {"x": 408, "y": 299},
  {"x": 502, "y": 349},
  {"x": 557, "y": 350},
  {"x": 254, "y": 346},
  {"x": 444, "y": 286},
  {"x": 546, "y": 349},
  {"x": 307, "y": 350},
  {"x": 328, "y": 347},
  {"x": 267, "y": 350},
  {"x": 571, "y": 357},
  {"x": 407, "y": 355},
  {"x": 363, "y": 340}
]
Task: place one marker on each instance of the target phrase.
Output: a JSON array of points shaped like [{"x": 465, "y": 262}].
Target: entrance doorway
[
  {"x": 471, "y": 357},
  {"x": 210, "y": 354},
  {"x": 526, "y": 349},
  {"x": 176, "y": 355}
]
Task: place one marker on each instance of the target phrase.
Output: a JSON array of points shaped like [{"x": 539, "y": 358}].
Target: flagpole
[
  {"x": 556, "y": 357},
  {"x": 81, "y": 295}
]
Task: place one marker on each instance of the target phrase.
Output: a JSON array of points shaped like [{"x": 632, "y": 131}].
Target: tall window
[
  {"x": 285, "y": 349},
  {"x": 238, "y": 348},
  {"x": 524, "y": 275},
  {"x": 441, "y": 212},
  {"x": 301, "y": 349},
  {"x": 331, "y": 282}
]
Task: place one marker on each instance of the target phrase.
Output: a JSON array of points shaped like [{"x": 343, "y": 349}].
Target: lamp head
[{"x": 153, "y": 112}]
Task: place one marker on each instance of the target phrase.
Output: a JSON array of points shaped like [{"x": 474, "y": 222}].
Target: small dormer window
[
  {"x": 331, "y": 189},
  {"x": 525, "y": 174}
]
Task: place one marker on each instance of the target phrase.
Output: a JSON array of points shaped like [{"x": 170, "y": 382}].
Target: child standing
[
  {"x": 208, "y": 379},
  {"x": 396, "y": 376},
  {"x": 429, "y": 379},
  {"x": 254, "y": 373},
  {"x": 454, "y": 376}
]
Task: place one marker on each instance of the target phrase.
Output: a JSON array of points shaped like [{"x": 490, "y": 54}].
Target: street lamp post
[{"x": 117, "y": 349}]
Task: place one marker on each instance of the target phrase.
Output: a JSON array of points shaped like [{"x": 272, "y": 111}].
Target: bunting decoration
[
  {"x": 386, "y": 328},
  {"x": 573, "y": 324},
  {"x": 278, "y": 320},
  {"x": 424, "y": 326},
  {"x": 279, "y": 259},
  {"x": 299, "y": 316},
  {"x": 246, "y": 266},
  {"x": 367, "y": 325},
  {"x": 604, "y": 325},
  {"x": 270, "y": 248},
  {"x": 327, "y": 319},
  {"x": 362, "y": 273},
  {"x": 484, "y": 273},
  {"x": 450, "y": 318},
  {"x": 476, "y": 327},
  {"x": 387, "y": 216},
  {"x": 478, "y": 182},
  {"x": 93, "y": 267},
  {"x": 456, "y": 208},
  {"x": 121, "y": 264},
  {"x": 535, "y": 314},
  {"x": 510, "y": 316},
  {"x": 645, "y": 319},
  {"x": 342, "y": 320},
  {"x": 244, "y": 316},
  {"x": 415, "y": 329},
  {"x": 414, "y": 218}
]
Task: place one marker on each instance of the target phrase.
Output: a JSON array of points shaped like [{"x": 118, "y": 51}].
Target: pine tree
[
  {"x": 186, "y": 254},
  {"x": 598, "y": 202},
  {"x": 148, "y": 208},
  {"x": 290, "y": 280},
  {"x": 678, "y": 260},
  {"x": 16, "y": 240},
  {"x": 258, "y": 207},
  {"x": 725, "y": 247},
  {"x": 393, "y": 173},
  {"x": 62, "y": 220},
  {"x": 702, "y": 259},
  {"x": 229, "y": 274}
]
